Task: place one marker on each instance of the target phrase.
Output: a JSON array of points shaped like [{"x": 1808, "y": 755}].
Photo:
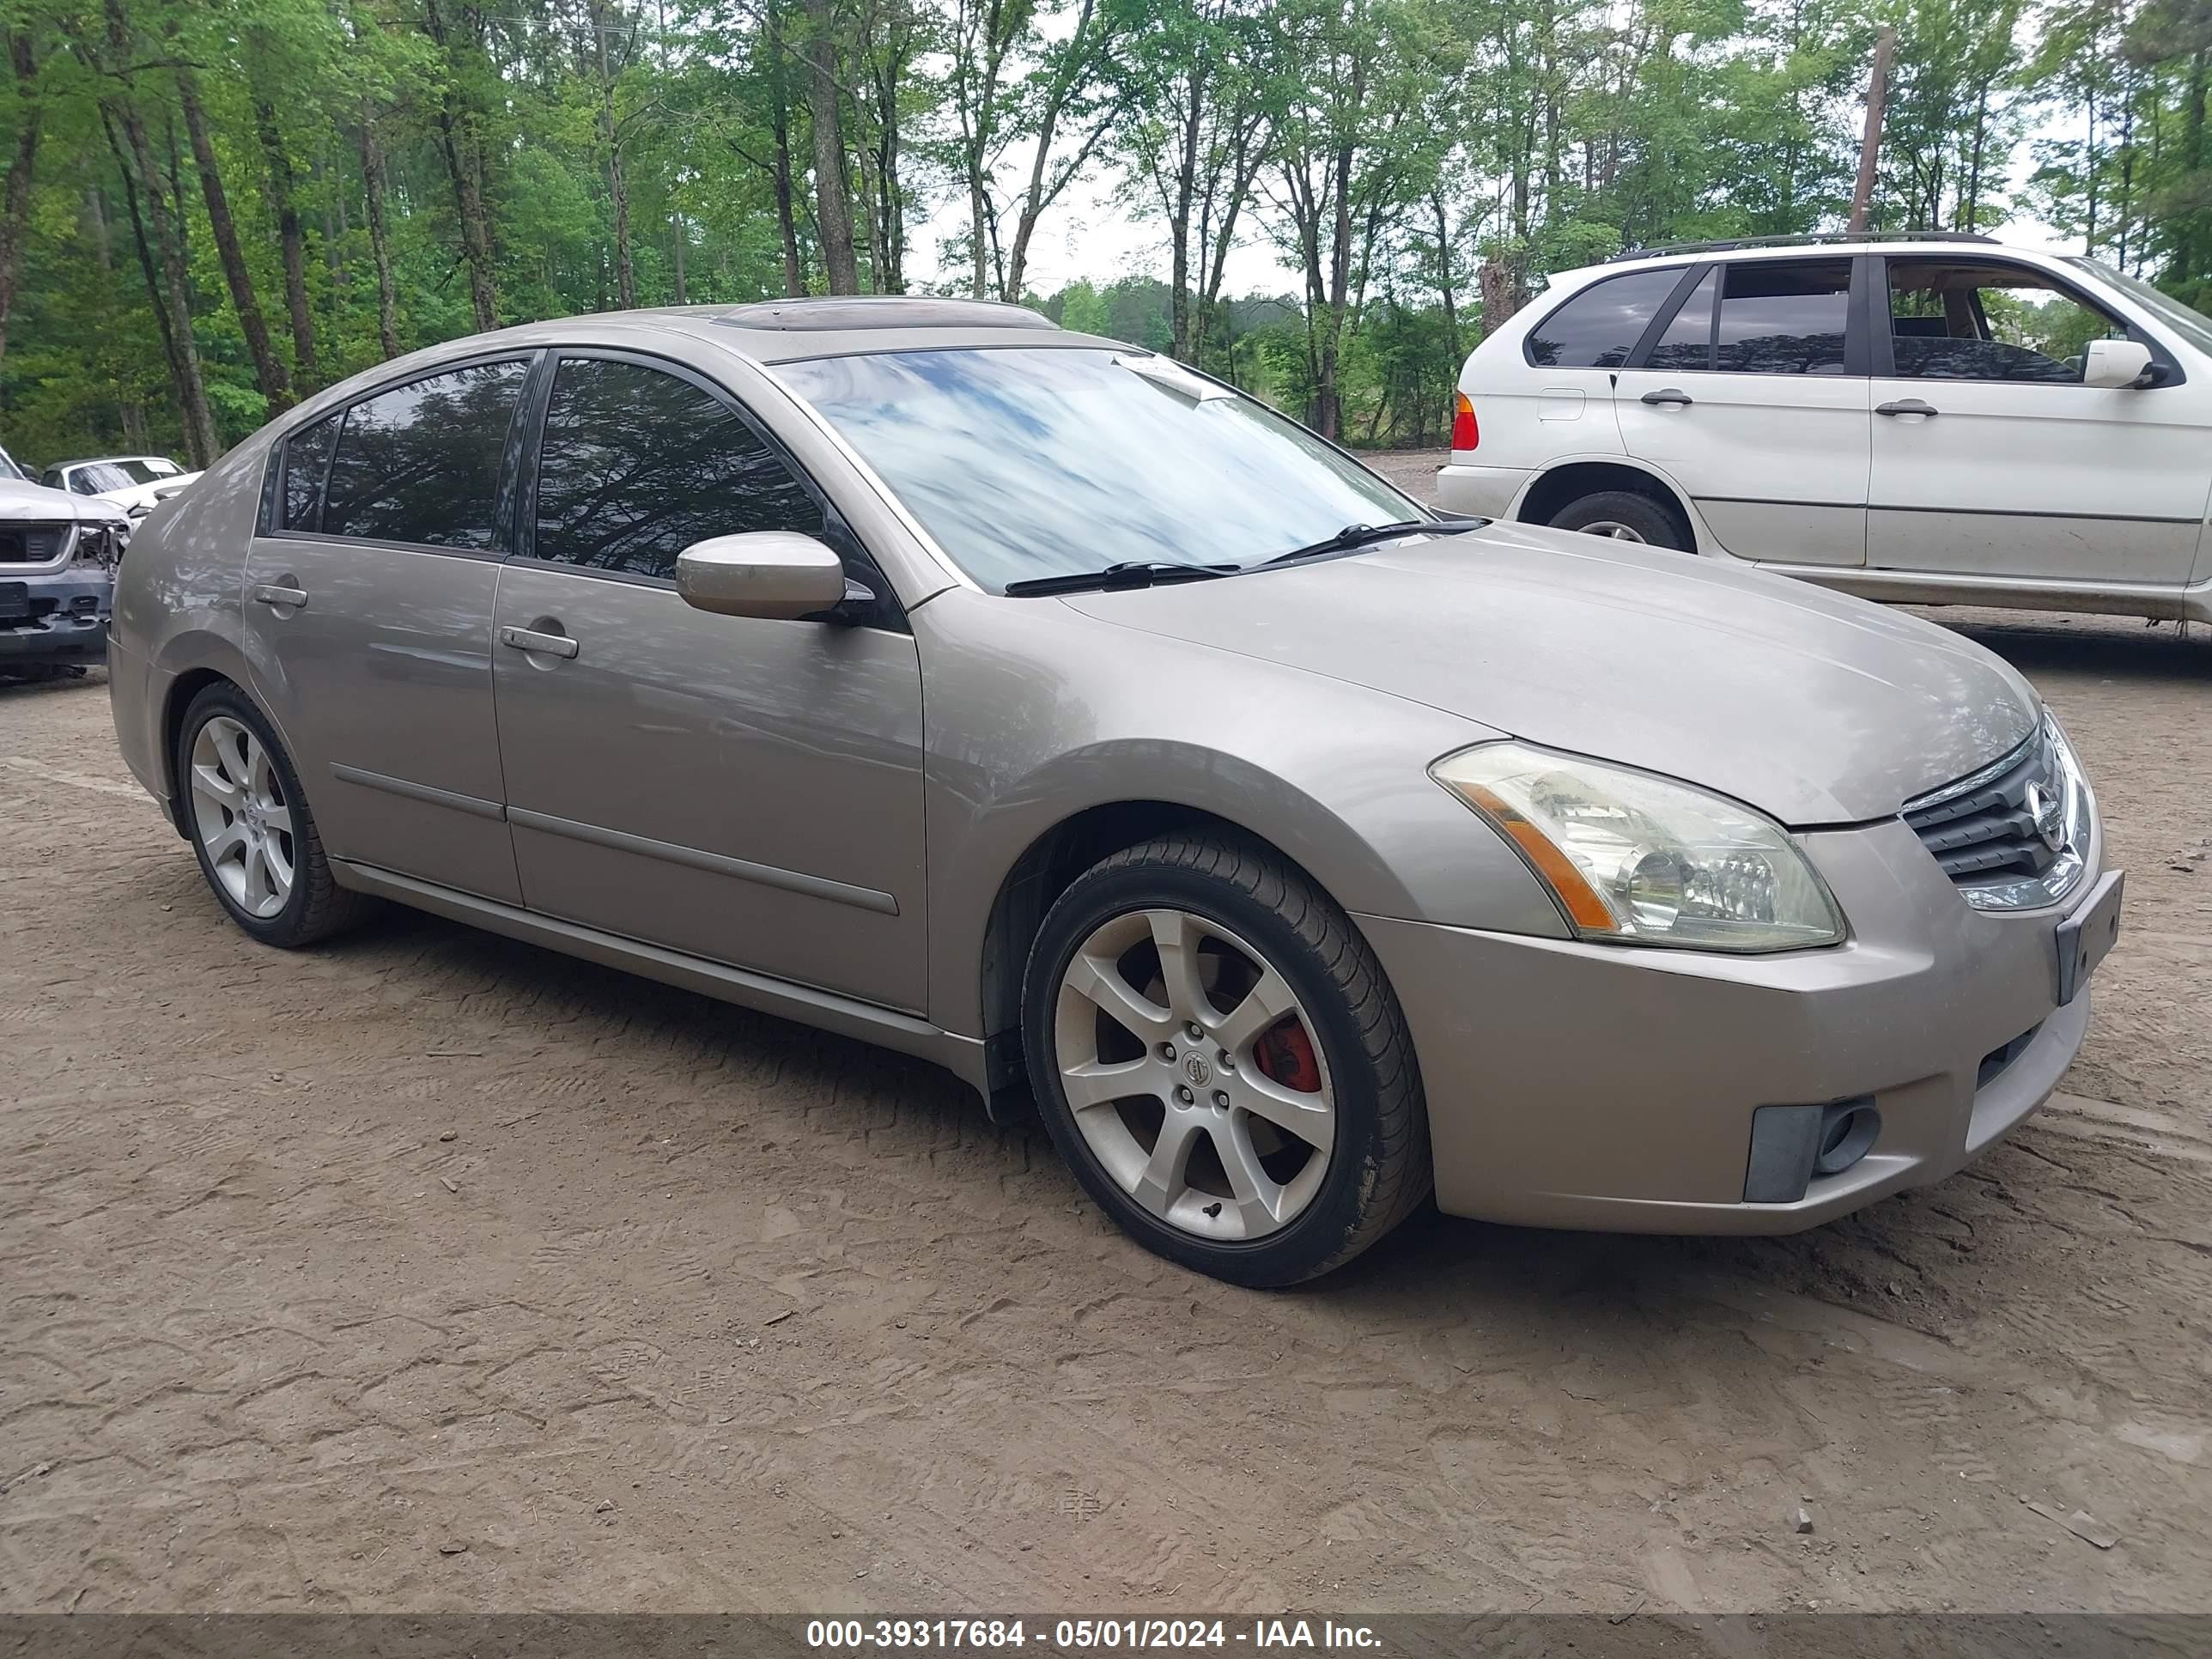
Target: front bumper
[
  {"x": 68, "y": 620},
  {"x": 1482, "y": 492},
  {"x": 1572, "y": 1084}
]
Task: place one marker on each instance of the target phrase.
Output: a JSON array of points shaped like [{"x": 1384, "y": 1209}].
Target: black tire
[
  {"x": 1650, "y": 521},
  {"x": 1379, "y": 1168},
  {"x": 316, "y": 907}
]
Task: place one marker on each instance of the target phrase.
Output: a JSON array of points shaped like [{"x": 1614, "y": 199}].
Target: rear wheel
[
  {"x": 1625, "y": 516},
  {"x": 251, "y": 828},
  {"x": 1217, "y": 1056}
]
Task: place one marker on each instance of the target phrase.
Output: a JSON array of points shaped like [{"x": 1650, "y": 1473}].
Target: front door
[
  {"x": 1753, "y": 400},
  {"x": 369, "y": 597},
  {"x": 741, "y": 789},
  {"x": 1991, "y": 458}
]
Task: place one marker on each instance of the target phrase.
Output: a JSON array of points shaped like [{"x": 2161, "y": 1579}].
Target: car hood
[
  {"x": 20, "y": 500},
  {"x": 146, "y": 494},
  {"x": 1816, "y": 707}
]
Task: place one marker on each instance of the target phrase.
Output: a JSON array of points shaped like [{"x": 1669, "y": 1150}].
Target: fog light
[{"x": 1791, "y": 1145}]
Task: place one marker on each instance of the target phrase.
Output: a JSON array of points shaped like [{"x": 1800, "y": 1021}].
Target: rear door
[
  {"x": 370, "y": 598},
  {"x": 1991, "y": 458},
  {"x": 1751, "y": 394},
  {"x": 738, "y": 788}
]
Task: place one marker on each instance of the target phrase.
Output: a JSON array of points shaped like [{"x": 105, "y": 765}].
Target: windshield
[
  {"x": 9, "y": 469},
  {"x": 2192, "y": 326},
  {"x": 97, "y": 478},
  {"x": 147, "y": 468},
  {"x": 1025, "y": 462}
]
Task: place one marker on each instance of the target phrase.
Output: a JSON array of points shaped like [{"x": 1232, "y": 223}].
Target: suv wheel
[
  {"x": 1217, "y": 1056},
  {"x": 1623, "y": 515},
  {"x": 250, "y": 827}
]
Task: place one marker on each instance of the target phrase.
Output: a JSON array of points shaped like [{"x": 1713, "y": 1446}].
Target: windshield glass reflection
[{"x": 1029, "y": 462}]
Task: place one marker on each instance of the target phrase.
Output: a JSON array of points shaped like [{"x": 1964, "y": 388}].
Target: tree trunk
[
  {"x": 290, "y": 238},
  {"x": 1445, "y": 276},
  {"x": 676, "y": 248},
  {"x": 373, "y": 179},
  {"x": 787, "y": 218},
  {"x": 833, "y": 202},
  {"x": 461, "y": 147},
  {"x": 168, "y": 285},
  {"x": 1870, "y": 140},
  {"x": 617, "y": 184},
  {"x": 1186, "y": 189},
  {"x": 16, "y": 210},
  {"x": 269, "y": 369}
]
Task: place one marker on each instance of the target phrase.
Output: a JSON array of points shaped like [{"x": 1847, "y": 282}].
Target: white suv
[{"x": 1942, "y": 419}]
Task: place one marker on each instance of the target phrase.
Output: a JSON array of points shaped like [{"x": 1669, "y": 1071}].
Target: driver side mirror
[
  {"x": 2113, "y": 363},
  {"x": 763, "y": 573}
]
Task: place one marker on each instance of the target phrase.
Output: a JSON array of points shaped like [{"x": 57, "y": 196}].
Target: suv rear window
[
  {"x": 1598, "y": 327},
  {"x": 1783, "y": 317}
]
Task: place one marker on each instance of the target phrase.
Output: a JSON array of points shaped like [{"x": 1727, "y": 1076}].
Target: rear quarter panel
[{"x": 178, "y": 603}]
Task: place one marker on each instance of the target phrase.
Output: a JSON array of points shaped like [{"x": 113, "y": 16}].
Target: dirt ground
[{"x": 430, "y": 1270}]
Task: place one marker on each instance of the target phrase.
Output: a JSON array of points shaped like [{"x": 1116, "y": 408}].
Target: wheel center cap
[{"x": 1196, "y": 1069}]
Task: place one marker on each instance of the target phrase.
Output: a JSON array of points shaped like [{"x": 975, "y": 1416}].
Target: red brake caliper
[{"x": 1285, "y": 1054}]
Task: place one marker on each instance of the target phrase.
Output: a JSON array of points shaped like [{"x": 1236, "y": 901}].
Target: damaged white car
[{"x": 58, "y": 558}]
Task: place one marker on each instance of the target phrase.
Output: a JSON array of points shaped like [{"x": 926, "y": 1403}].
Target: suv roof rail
[{"x": 1810, "y": 239}]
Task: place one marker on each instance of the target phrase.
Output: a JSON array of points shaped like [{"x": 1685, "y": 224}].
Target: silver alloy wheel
[
  {"x": 1235, "y": 1154},
  {"x": 1613, "y": 528},
  {"x": 243, "y": 820}
]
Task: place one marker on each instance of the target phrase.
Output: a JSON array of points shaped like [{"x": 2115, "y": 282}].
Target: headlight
[{"x": 1637, "y": 858}]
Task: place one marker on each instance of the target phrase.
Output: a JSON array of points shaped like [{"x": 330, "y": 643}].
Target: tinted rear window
[
  {"x": 306, "y": 454},
  {"x": 420, "y": 463},
  {"x": 1781, "y": 318},
  {"x": 1600, "y": 325}
]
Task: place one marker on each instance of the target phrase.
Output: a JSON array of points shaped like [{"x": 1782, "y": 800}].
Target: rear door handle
[
  {"x": 552, "y": 645},
  {"x": 1669, "y": 395},
  {"x": 1906, "y": 406},
  {"x": 278, "y": 594}
]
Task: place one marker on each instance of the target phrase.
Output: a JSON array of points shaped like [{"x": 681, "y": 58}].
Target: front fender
[{"x": 1086, "y": 715}]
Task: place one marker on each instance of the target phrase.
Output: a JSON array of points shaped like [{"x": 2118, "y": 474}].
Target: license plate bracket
[{"x": 2085, "y": 938}]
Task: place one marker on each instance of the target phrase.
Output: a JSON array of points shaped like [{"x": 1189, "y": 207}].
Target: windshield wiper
[
  {"x": 1130, "y": 573},
  {"x": 1361, "y": 535}
]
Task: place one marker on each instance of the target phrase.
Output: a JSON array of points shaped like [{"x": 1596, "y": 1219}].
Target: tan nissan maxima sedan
[{"x": 1026, "y": 702}]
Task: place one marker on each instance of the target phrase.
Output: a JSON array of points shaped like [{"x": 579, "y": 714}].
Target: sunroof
[{"x": 882, "y": 310}]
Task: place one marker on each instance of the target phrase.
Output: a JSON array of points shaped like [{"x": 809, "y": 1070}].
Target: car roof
[{"x": 1960, "y": 247}]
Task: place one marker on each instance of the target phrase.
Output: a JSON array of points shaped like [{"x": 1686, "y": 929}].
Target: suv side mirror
[
  {"x": 2116, "y": 363},
  {"x": 763, "y": 573}
]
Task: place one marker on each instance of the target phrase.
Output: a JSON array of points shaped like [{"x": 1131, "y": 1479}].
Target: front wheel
[
  {"x": 1217, "y": 1056},
  {"x": 1625, "y": 516}
]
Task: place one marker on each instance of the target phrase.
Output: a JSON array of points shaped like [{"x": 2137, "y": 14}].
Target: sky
[{"x": 1089, "y": 235}]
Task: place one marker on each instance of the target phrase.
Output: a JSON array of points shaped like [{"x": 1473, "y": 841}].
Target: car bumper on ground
[
  {"x": 54, "y": 619},
  {"x": 1485, "y": 492},
  {"x": 1574, "y": 1085}
]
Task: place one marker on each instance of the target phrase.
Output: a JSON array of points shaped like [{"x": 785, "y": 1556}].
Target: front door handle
[
  {"x": 1906, "y": 406},
  {"x": 279, "y": 594},
  {"x": 550, "y": 644},
  {"x": 1668, "y": 394}
]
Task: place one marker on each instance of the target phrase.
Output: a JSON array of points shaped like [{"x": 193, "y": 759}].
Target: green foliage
[{"x": 1420, "y": 166}]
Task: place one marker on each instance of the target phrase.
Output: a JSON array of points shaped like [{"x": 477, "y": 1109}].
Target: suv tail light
[{"x": 1464, "y": 434}]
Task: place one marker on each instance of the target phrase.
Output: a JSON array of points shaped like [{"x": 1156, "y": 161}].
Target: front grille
[
  {"x": 31, "y": 544},
  {"x": 1992, "y": 825}
]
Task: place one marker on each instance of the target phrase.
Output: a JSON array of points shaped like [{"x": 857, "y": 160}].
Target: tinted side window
[
  {"x": 1688, "y": 341},
  {"x": 637, "y": 465},
  {"x": 1784, "y": 317},
  {"x": 420, "y": 463},
  {"x": 1600, "y": 325},
  {"x": 306, "y": 453}
]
